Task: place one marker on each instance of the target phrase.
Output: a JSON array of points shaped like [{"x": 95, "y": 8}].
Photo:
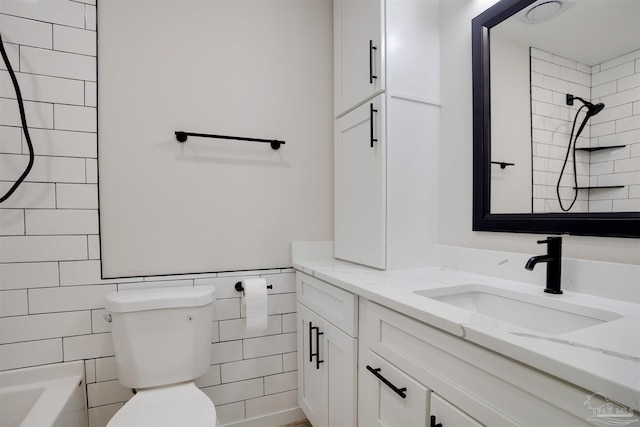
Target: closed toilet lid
[{"x": 177, "y": 405}]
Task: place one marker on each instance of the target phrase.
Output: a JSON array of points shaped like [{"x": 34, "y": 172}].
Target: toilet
[{"x": 162, "y": 343}]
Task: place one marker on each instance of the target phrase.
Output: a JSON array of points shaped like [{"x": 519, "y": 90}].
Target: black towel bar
[
  {"x": 503, "y": 164},
  {"x": 181, "y": 136}
]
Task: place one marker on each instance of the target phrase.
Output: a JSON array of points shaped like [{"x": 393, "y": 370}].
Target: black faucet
[{"x": 553, "y": 258}]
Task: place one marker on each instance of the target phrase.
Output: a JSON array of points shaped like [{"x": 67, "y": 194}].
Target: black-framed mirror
[{"x": 622, "y": 223}]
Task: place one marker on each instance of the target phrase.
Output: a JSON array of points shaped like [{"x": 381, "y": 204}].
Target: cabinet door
[
  {"x": 388, "y": 397},
  {"x": 312, "y": 386},
  {"x": 447, "y": 415},
  {"x": 326, "y": 371},
  {"x": 360, "y": 191},
  {"x": 358, "y": 51},
  {"x": 340, "y": 353}
]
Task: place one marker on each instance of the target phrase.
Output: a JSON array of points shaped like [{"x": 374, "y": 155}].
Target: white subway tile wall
[
  {"x": 51, "y": 290},
  {"x": 616, "y": 83}
]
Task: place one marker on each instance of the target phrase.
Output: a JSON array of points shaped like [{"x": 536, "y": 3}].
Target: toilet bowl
[{"x": 162, "y": 343}]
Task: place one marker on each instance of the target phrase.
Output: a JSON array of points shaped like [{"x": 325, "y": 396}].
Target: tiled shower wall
[
  {"x": 51, "y": 291},
  {"x": 552, "y": 77},
  {"x": 616, "y": 83}
]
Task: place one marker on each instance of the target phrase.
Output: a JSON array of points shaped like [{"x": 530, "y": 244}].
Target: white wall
[
  {"x": 456, "y": 155},
  {"x": 510, "y": 127},
  {"x": 51, "y": 286},
  {"x": 257, "y": 68}
]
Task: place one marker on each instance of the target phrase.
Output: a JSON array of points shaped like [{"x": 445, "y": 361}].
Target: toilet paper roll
[{"x": 255, "y": 303}]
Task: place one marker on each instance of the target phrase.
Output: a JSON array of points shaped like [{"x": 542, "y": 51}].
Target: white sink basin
[{"x": 541, "y": 313}]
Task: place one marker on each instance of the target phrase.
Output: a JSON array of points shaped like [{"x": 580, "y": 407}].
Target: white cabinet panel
[
  {"x": 360, "y": 185},
  {"x": 412, "y": 53},
  {"x": 340, "y": 353},
  {"x": 444, "y": 413},
  {"x": 312, "y": 390},
  {"x": 358, "y": 51},
  {"x": 326, "y": 371},
  {"x": 334, "y": 304}
]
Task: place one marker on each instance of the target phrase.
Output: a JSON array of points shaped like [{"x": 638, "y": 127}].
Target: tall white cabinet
[{"x": 386, "y": 131}]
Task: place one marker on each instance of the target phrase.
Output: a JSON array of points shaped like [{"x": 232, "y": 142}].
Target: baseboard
[{"x": 272, "y": 420}]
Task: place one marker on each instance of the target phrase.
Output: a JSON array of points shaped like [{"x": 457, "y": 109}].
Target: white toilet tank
[{"x": 161, "y": 336}]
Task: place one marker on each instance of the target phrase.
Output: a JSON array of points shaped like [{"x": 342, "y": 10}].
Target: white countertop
[{"x": 604, "y": 358}]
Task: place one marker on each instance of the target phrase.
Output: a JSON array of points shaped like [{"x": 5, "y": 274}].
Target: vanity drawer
[
  {"x": 334, "y": 304},
  {"x": 493, "y": 389},
  {"x": 389, "y": 397},
  {"x": 448, "y": 415}
]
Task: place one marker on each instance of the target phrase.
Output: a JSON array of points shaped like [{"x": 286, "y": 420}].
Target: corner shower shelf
[
  {"x": 598, "y": 187},
  {"x": 608, "y": 147}
]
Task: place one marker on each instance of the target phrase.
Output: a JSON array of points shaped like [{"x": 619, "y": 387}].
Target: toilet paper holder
[{"x": 240, "y": 288}]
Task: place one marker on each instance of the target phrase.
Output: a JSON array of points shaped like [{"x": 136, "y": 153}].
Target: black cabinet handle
[
  {"x": 310, "y": 341},
  {"x": 372, "y": 49},
  {"x": 433, "y": 422},
  {"x": 317, "y": 353},
  {"x": 371, "y": 124},
  {"x": 318, "y": 361},
  {"x": 399, "y": 391}
]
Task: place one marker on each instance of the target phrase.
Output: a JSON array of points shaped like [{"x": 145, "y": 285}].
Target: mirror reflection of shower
[
  {"x": 592, "y": 110},
  {"x": 598, "y": 155}
]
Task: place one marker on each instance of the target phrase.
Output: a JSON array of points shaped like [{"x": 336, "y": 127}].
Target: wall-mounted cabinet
[
  {"x": 383, "y": 45},
  {"x": 386, "y": 131},
  {"x": 358, "y": 52}
]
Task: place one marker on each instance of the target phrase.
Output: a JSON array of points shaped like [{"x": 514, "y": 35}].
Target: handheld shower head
[
  {"x": 595, "y": 109},
  {"x": 592, "y": 109}
]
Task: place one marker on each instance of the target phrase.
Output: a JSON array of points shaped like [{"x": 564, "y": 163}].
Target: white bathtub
[{"x": 42, "y": 396}]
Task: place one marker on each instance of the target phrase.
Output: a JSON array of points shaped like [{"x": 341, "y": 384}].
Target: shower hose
[
  {"x": 23, "y": 120},
  {"x": 573, "y": 141}
]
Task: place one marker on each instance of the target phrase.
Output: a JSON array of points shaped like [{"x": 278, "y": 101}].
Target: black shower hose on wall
[
  {"x": 573, "y": 141},
  {"x": 23, "y": 119}
]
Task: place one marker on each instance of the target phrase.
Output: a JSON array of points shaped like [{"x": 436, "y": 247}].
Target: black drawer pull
[
  {"x": 399, "y": 391},
  {"x": 433, "y": 422},
  {"x": 372, "y": 48}
]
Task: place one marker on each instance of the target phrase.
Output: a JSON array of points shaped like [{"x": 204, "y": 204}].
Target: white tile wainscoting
[{"x": 51, "y": 290}]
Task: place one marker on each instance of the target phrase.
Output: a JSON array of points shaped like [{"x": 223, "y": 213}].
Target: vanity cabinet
[
  {"x": 386, "y": 131},
  {"x": 327, "y": 352},
  {"x": 457, "y": 382}
]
